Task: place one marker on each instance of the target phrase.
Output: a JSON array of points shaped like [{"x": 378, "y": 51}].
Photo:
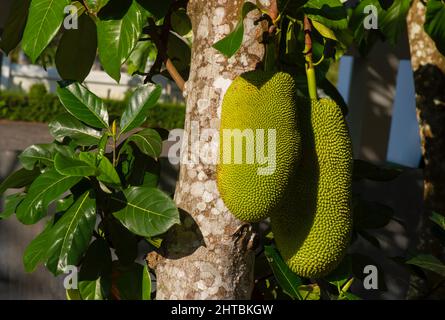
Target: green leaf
[
  {"x": 148, "y": 141},
  {"x": 95, "y": 5},
  {"x": 107, "y": 173},
  {"x": 143, "y": 53},
  {"x": 39, "y": 153},
  {"x": 124, "y": 242},
  {"x": 130, "y": 281},
  {"x": 65, "y": 203},
  {"x": 331, "y": 13},
  {"x": 146, "y": 284},
  {"x": 367, "y": 170},
  {"x": 83, "y": 104},
  {"x": 309, "y": 292},
  {"x": 179, "y": 53},
  {"x": 46, "y": 188},
  {"x": 287, "y": 280},
  {"x": 77, "y": 50},
  {"x": 180, "y": 22},
  {"x": 157, "y": 8},
  {"x": 350, "y": 296},
  {"x": 428, "y": 262},
  {"x": 435, "y": 23},
  {"x": 324, "y": 31},
  {"x": 36, "y": 251},
  {"x": 95, "y": 273},
  {"x": 15, "y": 25},
  {"x": 11, "y": 204},
  {"x": 393, "y": 21},
  {"x": 230, "y": 44},
  {"x": 341, "y": 274},
  {"x": 69, "y": 166},
  {"x": 66, "y": 125},
  {"x": 44, "y": 20},
  {"x": 71, "y": 234},
  {"x": 19, "y": 179},
  {"x": 142, "y": 99},
  {"x": 137, "y": 168},
  {"x": 42, "y": 154},
  {"x": 73, "y": 294},
  {"x": 146, "y": 212},
  {"x": 436, "y": 218},
  {"x": 117, "y": 37}
]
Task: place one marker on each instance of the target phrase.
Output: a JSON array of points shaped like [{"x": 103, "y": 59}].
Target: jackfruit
[
  {"x": 260, "y": 143},
  {"x": 312, "y": 229}
]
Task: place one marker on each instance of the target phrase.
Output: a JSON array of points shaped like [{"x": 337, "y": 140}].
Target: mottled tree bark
[
  {"x": 210, "y": 255},
  {"x": 429, "y": 75}
]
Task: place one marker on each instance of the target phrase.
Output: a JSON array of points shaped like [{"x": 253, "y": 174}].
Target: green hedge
[{"x": 40, "y": 106}]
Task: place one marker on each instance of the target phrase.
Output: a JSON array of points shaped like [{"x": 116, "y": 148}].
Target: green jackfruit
[
  {"x": 313, "y": 228},
  {"x": 262, "y": 107}
]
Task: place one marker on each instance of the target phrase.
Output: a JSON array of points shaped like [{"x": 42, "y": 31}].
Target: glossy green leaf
[
  {"x": 117, "y": 37},
  {"x": 393, "y": 21},
  {"x": 146, "y": 211},
  {"x": 148, "y": 141},
  {"x": 42, "y": 154},
  {"x": 45, "y": 189},
  {"x": 69, "y": 166},
  {"x": 71, "y": 234},
  {"x": 230, "y": 44},
  {"x": 95, "y": 273},
  {"x": 331, "y": 13},
  {"x": 435, "y": 23},
  {"x": 83, "y": 104},
  {"x": 157, "y": 8},
  {"x": 130, "y": 281},
  {"x": 36, "y": 251},
  {"x": 324, "y": 31},
  {"x": 288, "y": 280},
  {"x": 65, "y": 203},
  {"x": 107, "y": 173},
  {"x": 15, "y": 25},
  {"x": 94, "y": 6},
  {"x": 146, "y": 284},
  {"x": 77, "y": 50},
  {"x": 143, "y": 53},
  {"x": 180, "y": 22},
  {"x": 438, "y": 219},
  {"x": 428, "y": 262},
  {"x": 39, "y": 153},
  {"x": 11, "y": 204},
  {"x": 19, "y": 179},
  {"x": 66, "y": 125},
  {"x": 44, "y": 21},
  {"x": 142, "y": 99}
]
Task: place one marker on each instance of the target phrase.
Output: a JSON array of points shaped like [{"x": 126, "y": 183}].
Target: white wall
[{"x": 23, "y": 76}]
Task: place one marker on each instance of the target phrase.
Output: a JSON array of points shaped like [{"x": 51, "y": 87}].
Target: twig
[{"x": 162, "y": 55}]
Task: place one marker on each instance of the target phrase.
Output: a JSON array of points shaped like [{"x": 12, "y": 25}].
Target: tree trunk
[
  {"x": 429, "y": 76},
  {"x": 209, "y": 256}
]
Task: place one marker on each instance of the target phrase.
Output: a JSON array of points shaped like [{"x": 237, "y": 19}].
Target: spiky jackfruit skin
[
  {"x": 258, "y": 100},
  {"x": 312, "y": 230}
]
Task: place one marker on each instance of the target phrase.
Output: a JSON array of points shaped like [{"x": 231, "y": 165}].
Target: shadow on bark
[{"x": 182, "y": 239}]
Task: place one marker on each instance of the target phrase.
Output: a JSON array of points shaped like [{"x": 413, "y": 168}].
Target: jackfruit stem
[{"x": 310, "y": 71}]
